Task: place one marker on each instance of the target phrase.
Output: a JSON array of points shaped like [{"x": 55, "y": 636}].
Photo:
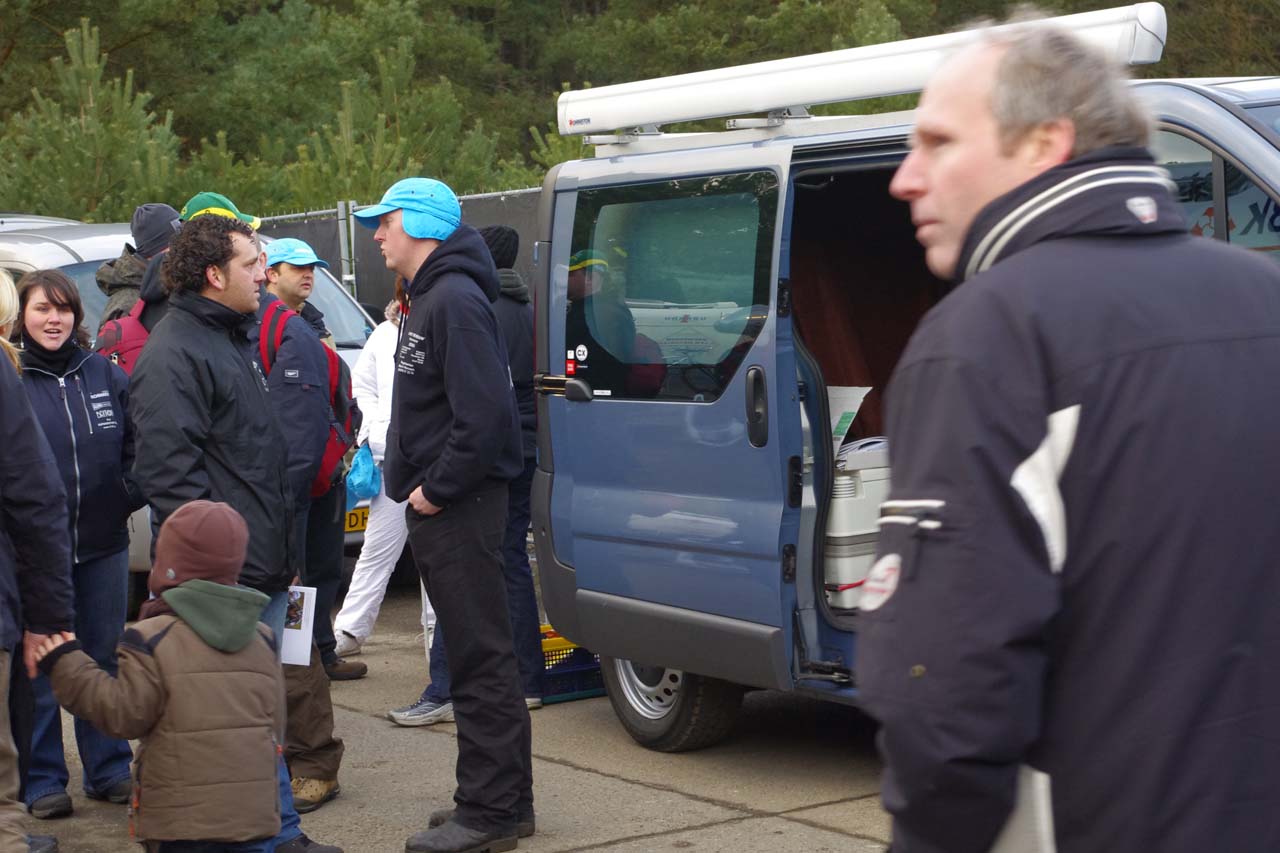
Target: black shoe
[
  {"x": 119, "y": 793},
  {"x": 42, "y": 844},
  {"x": 56, "y": 804},
  {"x": 453, "y": 837},
  {"x": 526, "y": 825},
  {"x": 302, "y": 844}
]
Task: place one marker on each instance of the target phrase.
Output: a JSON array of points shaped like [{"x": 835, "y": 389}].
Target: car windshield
[
  {"x": 1268, "y": 114},
  {"x": 343, "y": 318},
  {"x": 347, "y": 322}
]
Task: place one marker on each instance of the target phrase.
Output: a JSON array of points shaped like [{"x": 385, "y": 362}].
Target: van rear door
[{"x": 663, "y": 512}]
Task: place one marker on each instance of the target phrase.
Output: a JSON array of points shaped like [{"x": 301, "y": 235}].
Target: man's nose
[{"x": 908, "y": 181}]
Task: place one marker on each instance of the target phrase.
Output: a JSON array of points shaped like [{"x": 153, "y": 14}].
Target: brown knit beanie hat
[{"x": 201, "y": 540}]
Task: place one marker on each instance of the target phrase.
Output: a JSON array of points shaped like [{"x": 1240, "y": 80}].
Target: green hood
[{"x": 225, "y": 617}]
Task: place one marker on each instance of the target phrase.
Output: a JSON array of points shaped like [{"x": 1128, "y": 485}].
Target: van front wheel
[{"x": 668, "y": 710}]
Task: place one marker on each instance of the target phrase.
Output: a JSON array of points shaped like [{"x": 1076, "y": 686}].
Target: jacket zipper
[
  {"x": 75, "y": 452},
  {"x": 75, "y": 461},
  {"x": 85, "y": 404}
]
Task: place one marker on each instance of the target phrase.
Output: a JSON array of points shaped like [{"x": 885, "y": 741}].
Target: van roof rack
[{"x": 784, "y": 89}]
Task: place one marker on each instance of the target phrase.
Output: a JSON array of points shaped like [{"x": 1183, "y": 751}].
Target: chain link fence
[{"x": 355, "y": 259}]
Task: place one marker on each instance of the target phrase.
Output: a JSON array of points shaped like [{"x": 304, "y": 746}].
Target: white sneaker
[
  {"x": 533, "y": 703},
  {"x": 347, "y": 645}
]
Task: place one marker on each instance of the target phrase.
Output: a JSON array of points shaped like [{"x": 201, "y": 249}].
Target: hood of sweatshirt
[
  {"x": 124, "y": 271},
  {"x": 464, "y": 252},
  {"x": 513, "y": 286},
  {"x": 225, "y": 617}
]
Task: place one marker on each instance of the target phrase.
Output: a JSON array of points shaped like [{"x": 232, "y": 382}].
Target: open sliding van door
[{"x": 664, "y": 512}]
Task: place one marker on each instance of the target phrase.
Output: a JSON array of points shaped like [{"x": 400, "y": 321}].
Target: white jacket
[{"x": 371, "y": 382}]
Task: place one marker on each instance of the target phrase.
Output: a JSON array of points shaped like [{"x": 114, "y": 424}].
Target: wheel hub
[{"x": 650, "y": 690}]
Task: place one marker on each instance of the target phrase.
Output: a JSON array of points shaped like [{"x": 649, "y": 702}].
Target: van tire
[{"x": 668, "y": 710}]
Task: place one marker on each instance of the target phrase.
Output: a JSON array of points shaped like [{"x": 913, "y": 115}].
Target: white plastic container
[{"x": 860, "y": 487}]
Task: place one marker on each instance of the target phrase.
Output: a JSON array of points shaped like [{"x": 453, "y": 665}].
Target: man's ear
[
  {"x": 214, "y": 278},
  {"x": 1049, "y": 144}
]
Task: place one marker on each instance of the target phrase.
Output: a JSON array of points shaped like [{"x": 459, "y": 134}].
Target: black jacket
[
  {"x": 35, "y": 550},
  {"x": 515, "y": 317},
  {"x": 454, "y": 426},
  {"x": 154, "y": 294},
  {"x": 299, "y": 386},
  {"x": 1077, "y": 563},
  {"x": 85, "y": 417},
  {"x": 206, "y": 429}
]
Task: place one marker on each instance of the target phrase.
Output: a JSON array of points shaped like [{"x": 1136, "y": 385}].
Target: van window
[
  {"x": 1190, "y": 165},
  {"x": 1253, "y": 215},
  {"x": 669, "y": 284}
]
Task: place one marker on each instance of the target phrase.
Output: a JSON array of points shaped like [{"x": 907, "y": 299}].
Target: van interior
[
  {"x": 858, "y": 280},
  {"x": 859, "y": 288}
]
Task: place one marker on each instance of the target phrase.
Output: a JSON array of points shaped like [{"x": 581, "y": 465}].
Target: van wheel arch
[{"x": 668, "y": 710}]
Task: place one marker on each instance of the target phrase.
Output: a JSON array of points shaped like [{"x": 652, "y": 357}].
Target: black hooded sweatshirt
[{"x": 454, "y": 425}]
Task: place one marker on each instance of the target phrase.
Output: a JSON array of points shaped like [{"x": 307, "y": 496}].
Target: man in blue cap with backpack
[{"x": 453, "y": 445}]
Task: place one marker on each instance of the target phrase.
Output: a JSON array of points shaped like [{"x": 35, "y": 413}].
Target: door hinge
[
  {"x": 788, "y": 563},
  {"x": 795, "y": 481},
  {"x": 784, "y": 297}
]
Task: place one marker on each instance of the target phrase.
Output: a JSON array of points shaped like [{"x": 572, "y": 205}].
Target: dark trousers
[
  {"x": 208, "y": 846},
  {"x": 311, "y": 750},
  {"x": 522, "y": 601},
  {"x": 458, "y": 552},
  {"x": 322, "y": 566}
]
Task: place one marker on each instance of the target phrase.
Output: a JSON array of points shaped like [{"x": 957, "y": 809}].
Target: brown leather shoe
[
  {"x": 311, "y": 794},
  {"x": 345, "y": 670}
]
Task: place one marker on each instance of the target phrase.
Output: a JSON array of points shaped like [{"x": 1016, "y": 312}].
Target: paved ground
[{"x": 796, "y": 775}]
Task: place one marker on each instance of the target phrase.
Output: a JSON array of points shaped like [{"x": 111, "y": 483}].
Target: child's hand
[{"x": 51, "y": 642}]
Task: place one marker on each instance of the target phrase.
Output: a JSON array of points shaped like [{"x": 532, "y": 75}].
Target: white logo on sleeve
[{"x": 881, "y": 582}]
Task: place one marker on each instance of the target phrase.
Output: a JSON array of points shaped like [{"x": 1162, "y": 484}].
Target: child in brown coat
[{"x": 199, "y": 685}]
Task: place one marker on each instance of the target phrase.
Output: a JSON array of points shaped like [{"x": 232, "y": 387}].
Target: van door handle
[
  {"x": 757, "y": 408},
  {"x": 576, "y": 390}
]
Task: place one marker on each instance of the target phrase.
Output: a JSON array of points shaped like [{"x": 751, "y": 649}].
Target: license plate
[{"x": 357, "y": 519}]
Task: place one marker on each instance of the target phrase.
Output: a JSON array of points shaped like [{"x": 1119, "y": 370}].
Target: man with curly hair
[{"x": 205, "y": 428}]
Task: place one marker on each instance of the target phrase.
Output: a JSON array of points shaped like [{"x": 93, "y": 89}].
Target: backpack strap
[{"x": 271, "y": 335}]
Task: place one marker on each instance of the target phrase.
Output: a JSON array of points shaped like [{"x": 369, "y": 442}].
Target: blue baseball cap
[
  {"x": 431, "y": 210},
  {"x": 290, "y": 250}
]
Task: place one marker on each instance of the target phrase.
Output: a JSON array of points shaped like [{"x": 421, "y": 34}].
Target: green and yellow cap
[
  {"x": 218, "y": 205},
  {"x": 587, "y": 258}
]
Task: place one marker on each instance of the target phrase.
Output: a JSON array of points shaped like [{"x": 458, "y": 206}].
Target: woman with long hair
[
  {"x": 8, "y": 316},
  {"x": 81, "y": 402}
]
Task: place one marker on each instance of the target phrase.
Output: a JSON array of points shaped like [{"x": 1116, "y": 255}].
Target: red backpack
[
  {"x": 122, "y": 339},
  {"x": 344, "y": 414}
]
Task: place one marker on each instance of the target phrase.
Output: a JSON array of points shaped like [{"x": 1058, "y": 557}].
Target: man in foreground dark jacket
[
  {"x": 452, "y": 446},
  {"x": 35, "y": 570},
  {"x": 1073, "y": 605},
  {"x": 205, "y": 426}
]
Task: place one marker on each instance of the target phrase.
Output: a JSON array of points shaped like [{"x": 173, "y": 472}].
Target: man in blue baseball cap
[
  {"x": 291, "y": 265},
  {"x": 453, "y": 446}
]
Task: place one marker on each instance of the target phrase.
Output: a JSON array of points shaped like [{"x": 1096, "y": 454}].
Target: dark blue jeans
[
  {"x": 522, "y": 602},
  {"x": 101, "y": 599}
]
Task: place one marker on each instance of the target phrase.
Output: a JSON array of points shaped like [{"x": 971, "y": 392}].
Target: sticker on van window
[
  {"x": 881, "y": 582},
  {"x": 581, "y": 352}
]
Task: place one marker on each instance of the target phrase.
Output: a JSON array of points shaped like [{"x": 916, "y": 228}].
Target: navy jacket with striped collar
[{"x": 1076, "y": 577}]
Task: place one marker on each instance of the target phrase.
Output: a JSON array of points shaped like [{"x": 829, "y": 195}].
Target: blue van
[{"x": 717, "y": 317}]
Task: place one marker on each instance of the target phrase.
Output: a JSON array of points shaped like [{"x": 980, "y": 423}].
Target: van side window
[
  {"x": 669, "y": 284},
  {"x": 1253, "y": 216},
  {"x": 1190, "y": 165}
]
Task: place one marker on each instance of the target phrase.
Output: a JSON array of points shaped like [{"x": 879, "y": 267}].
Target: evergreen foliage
[{"x": 294, "y": 104}]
